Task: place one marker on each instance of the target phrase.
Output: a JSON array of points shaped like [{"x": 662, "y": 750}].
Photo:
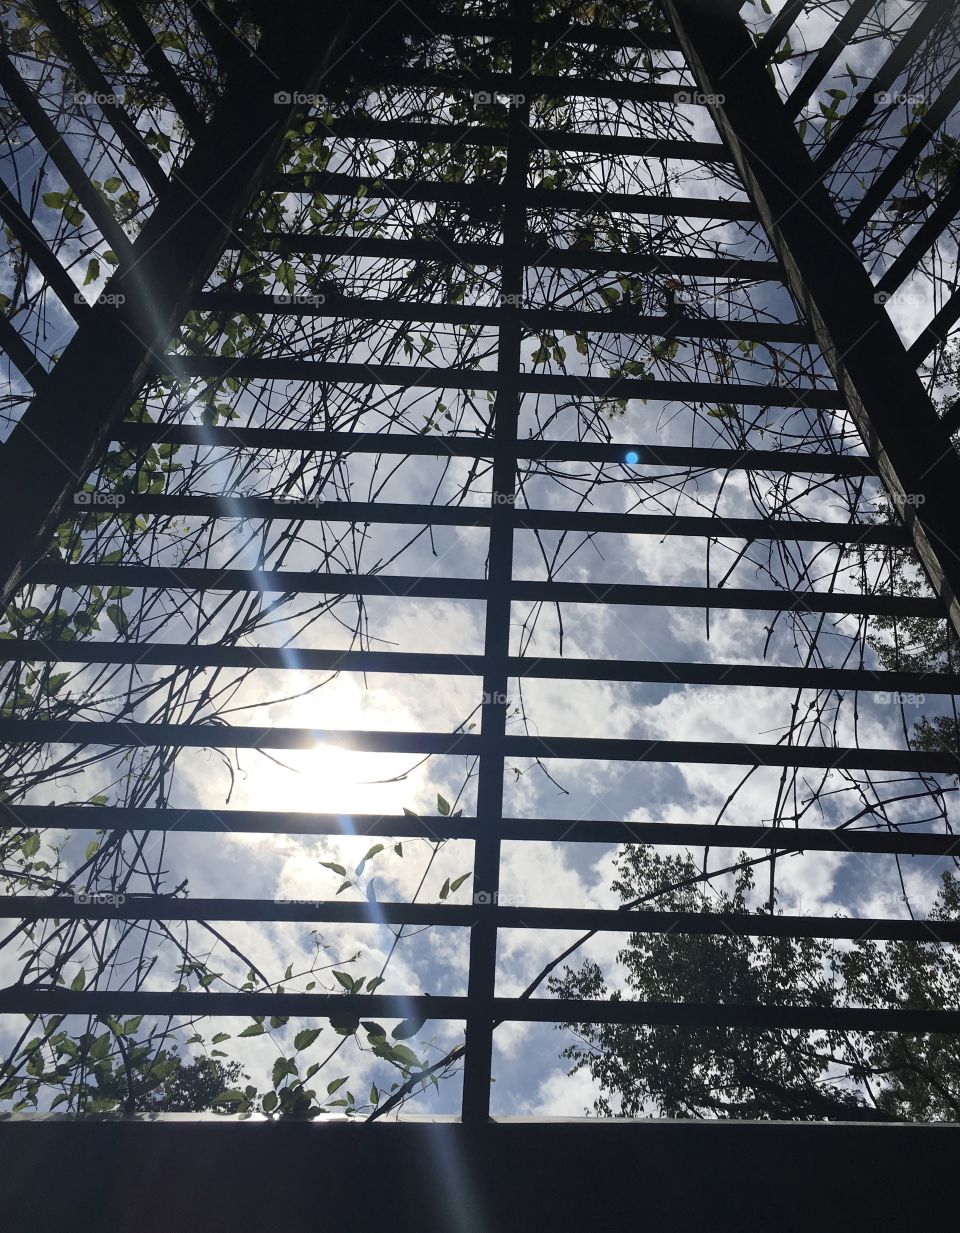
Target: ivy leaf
[
  {"x": 304, "y": 1039},
  {"x": 230, "y": 1097},
  {"x": 377, "y": 847},
  {"x": 407, "y": 1056},
  {"x": 282, "y": 1067},
  {"x": 119, "y": 617},
  {"x": 407, "y": 1028}
]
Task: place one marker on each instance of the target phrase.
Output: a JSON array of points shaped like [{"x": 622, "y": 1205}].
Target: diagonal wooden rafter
[
  {"x": 885, "y": 396},
  {"x": 66, "y": 426}
]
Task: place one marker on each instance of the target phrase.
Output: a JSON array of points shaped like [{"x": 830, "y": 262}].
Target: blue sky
[{"x": 530, "y": 1078}]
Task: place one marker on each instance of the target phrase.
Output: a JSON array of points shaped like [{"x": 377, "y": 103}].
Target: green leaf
[
  {"x": 112, "y": 184},
  {"x": 79, "y": 980},
  {"x": 458, "y": 882},
  {"x": 270, "y": 1102},
  {"x": 443, "y": 806},
  {"x": 407, "y": 1028},
  {"x": 119, "y": 617},
  {"x": 229, "y": 1097},
  {"x": 345, "y": 980},
  {"x": 31, "y": 845},
  {"x": 345, "y": 1025},
  {"x": 220, "y": 1038},
  {"x": 335, "y": 867},
  {"x": 374, "y": 1094},
  {"x": 93, "y": 271},
  {"x": 336, "y": 1085},
  {"x": 281, "y": 1068},
  {"x": 406, "y": 1056},
  {"x": 54, "y": 200},
  {"x": 304, "y": 1039},
  {"x": 445, "y": 889},
  {"x": 255, "y": 1029}
]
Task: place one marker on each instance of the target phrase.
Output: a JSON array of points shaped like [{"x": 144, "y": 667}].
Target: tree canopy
[{"x": 678, "y": 1071}]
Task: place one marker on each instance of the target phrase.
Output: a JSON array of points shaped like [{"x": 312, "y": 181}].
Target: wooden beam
[
  {"x": 886, "y": 399},
  {"x": 65, "y": 428}
]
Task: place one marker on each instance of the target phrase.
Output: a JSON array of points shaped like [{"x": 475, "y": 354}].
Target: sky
[{"x": 530, "y": 1076}]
